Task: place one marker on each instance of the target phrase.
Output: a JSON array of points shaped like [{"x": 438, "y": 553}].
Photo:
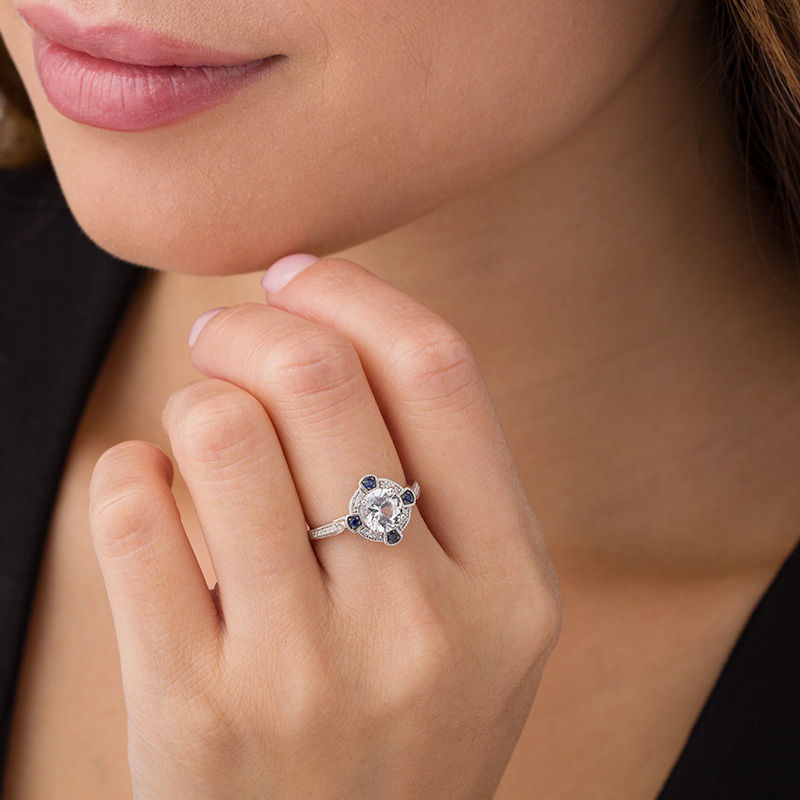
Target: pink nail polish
[
  {"x": 284, "y": 269},
  {"x": 200, "y": 322}
]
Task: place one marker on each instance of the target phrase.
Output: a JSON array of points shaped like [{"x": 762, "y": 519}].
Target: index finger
[{"x": 435, "y": 402}]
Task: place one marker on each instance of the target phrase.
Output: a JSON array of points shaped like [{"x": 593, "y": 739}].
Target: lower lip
[{"x": 129, "y": 97}]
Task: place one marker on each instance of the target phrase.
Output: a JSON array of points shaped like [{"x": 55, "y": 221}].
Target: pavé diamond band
[{"x": 379, "y": 510}]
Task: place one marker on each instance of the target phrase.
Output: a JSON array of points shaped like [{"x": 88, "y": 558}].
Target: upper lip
[{"x": 125, "y": 43}]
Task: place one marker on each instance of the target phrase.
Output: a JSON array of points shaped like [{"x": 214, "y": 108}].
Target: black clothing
[{"x": 61, "y": 302}]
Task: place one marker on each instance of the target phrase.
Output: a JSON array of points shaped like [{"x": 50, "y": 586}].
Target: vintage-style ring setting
[{"x": 379, "y": 510}]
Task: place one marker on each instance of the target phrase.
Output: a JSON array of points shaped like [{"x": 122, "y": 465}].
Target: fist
[{"x": 336, "y": 667}]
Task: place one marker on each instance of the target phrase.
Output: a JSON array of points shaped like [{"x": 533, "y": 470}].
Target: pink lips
[{"x": 120, "y": 78}]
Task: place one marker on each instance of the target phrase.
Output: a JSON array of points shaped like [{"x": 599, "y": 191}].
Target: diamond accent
[{"x": 331, "y": 529}]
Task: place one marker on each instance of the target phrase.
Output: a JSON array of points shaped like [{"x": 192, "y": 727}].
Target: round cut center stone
[{"x": 380, "y": 510}]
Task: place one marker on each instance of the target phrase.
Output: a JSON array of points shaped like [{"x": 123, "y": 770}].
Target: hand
[{"x": 339, "y": 668}]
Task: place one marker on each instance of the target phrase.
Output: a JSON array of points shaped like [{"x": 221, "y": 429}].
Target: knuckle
[
  {"x": 314, "y": 362},
  {"x": 289, "y": 694},
  {"x": 202, "y": 726},
  {"x": 292, "y": 688},
  {"x": 309, "y": 700},
  {"x": 215, "y": 419},
  {"x": 435, "y": 360},
  {"x": 551, "y": 621},
  {"x": 119, "y": 460},
  {"x": 337, "y": 279},
  {"x": 192, "y": 718},
  {"x": 534, "y": 621},
  {"x": 124, "y": 520},
  {"x": 189, "y": 700},
  {"x": 430, "y": 651},
  {"x": 127, "y": 501}
]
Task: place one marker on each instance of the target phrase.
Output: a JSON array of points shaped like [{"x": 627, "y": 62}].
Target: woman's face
[{"x": 379, "y": 112}]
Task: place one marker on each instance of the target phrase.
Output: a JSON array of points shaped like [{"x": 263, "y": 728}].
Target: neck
[{"x": 630, "y": 320}]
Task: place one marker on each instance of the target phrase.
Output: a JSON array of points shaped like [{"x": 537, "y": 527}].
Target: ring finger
[{"x": 310, "y": 380}]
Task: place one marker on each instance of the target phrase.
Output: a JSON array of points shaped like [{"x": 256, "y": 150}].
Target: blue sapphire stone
[
  {"x": 354, "y": 522},
  {"x": 408, "y": 497},
  {"x": 393, "y": 537},
  {"x": 369, "y": 482}
]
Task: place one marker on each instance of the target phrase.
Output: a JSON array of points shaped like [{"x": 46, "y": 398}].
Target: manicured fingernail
[
  {"x": 200, "y": 322},
  {"x": 284, "y": 269}
]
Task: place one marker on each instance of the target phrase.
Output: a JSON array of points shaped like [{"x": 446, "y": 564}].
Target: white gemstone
[{"x": 381, "y": 509}]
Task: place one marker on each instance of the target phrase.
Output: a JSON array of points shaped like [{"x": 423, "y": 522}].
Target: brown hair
[
  {"x": 20, "y": 140},
  {"x": 758, "y": 63},
  {"x": 757, "y": 60}
]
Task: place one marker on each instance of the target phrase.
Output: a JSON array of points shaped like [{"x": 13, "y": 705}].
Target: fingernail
[
  {"x": 284, "y": 269},
  {"x": 200, "y": 322}
]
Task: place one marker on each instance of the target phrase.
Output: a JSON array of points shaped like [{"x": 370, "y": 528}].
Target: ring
[{"x": 379, "y": 510}]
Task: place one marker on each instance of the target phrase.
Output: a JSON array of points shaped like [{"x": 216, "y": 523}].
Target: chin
[
  {"x": 203, "y": 237},
  {"x": 169, "y": 206},
  {"x": 192, "y": 240},
  {"x": 168, "y": 219}
]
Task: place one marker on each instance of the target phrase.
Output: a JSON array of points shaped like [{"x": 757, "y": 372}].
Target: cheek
[{"x": 380, "y": 114}]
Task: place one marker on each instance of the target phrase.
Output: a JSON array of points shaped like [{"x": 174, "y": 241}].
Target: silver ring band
[{"x": 380, "y": 509}]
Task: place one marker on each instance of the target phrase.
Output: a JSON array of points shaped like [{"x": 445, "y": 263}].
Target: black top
[{"x": 61, "y": 302}]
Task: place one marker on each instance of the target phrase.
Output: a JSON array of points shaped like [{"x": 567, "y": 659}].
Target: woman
[{"x": 532, "y": 213}]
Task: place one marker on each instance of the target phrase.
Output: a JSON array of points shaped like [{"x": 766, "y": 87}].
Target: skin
[
  {"x": 209, "y": 714},
  {"x": 593, "y": 247}
]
